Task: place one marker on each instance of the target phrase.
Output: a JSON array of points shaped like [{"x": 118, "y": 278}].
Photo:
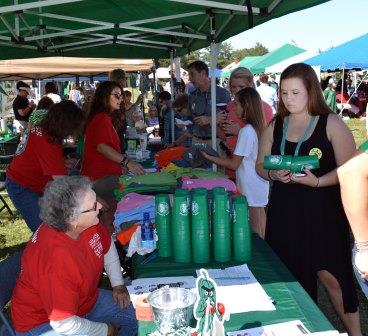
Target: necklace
[{"x": 302, "y": 138}]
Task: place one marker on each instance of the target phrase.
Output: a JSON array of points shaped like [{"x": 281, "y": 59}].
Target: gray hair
[
  {"x": 242, "y": 73},
  {"x": 62, "y": 199}
]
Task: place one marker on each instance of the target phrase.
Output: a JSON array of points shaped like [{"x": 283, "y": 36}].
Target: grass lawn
[{"x": 15, "y": 234}]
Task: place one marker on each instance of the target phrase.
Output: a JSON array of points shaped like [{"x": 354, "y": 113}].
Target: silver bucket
[{"x": 172, "y": 309}]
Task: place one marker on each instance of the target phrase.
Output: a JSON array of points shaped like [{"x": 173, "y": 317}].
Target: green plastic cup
[
  {"x": 200, "y": 226},
  {"x": 299, "y": 163},
  {"x": 242, "y": 233},
  {"x": 277, "y": 162},
  {"x": 221, "y": 229},
  {"x": 181, "y": 227},
  {"x": 163, "y": 225}
]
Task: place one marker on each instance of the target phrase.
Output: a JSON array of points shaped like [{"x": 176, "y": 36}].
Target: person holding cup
[
  {"x": 306, "y": 224},
  {"x": 199, "y": 107}
]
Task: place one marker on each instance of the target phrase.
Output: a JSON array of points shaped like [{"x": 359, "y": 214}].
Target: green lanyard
[{"x": 301, "y": 140}]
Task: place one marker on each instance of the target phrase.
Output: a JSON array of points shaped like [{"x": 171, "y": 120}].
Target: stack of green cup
[
  {"x": 181, "y": 226},
  {"x": 221, "y": 230},
  {"x": 200, "y": 226},
  {"x": 242, "y": 234},
  {"x": 163, "y": 225}
]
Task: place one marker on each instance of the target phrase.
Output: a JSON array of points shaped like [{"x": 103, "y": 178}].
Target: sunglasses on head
[{"x": 94, "y": 208}]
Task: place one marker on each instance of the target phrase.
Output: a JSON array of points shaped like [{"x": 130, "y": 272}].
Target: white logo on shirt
[{"x": 96, "y": 245}]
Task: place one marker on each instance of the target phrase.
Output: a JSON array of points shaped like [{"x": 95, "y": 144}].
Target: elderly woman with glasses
[
  {"x": 57, "y": 292},
  {"x": 103, "y": 161}
]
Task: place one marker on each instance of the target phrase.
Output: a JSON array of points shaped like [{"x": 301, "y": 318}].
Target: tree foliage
[{"x": 226, "y": 55}]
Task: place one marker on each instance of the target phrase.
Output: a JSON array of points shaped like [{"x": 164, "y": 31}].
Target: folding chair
[
  {"x": 3, "y": 204},
  {"x": 9, "y": 271}
]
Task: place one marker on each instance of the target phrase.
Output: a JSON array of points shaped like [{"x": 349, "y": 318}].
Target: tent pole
[
  {"x": 342, "y": 90},
  {"x": 214, "y": 49},
  {"x": 172, "y": 95}
]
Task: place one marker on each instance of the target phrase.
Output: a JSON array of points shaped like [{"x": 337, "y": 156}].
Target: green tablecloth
[{"x": 290, "y": 299}]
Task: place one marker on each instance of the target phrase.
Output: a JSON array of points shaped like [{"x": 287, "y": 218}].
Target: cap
[
  {"x": 23, "y": 86},
  {"x": 331, "y": 81}
]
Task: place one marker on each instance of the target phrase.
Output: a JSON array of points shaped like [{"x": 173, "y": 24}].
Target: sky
[{"x": 320, "y": 27}]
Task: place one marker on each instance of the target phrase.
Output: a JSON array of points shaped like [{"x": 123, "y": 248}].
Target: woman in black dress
[{"x": 306, "y": 224}]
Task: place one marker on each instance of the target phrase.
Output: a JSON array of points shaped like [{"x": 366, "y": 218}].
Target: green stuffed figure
[{"x": 207, "y": 309}]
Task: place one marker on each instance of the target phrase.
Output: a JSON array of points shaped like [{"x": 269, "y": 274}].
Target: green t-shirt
[
  {"x": 330, "y": 97},
  {"x": 364, "y": 147}
]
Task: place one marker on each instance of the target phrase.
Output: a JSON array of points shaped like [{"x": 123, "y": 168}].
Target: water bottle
[
  {"x": 139, "y": 154},
  {"x": 147, "y": 236}
]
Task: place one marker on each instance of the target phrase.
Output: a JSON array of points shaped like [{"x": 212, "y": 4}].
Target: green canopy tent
[
  {"x": 131, "y": 29},
  {"x": 243, "y": 63},
  {"x": 273, "y": 57},
  {"x": 128, "y": 29}
]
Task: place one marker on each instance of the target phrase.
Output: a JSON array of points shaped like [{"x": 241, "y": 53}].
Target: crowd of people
[{"x": 305, "y": 222}]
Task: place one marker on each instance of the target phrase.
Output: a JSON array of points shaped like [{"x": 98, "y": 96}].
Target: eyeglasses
[
  {"x": 117, "y": 96},
  {"x": 92, "y": 209}
]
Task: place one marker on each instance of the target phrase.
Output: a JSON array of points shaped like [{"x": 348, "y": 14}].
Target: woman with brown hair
[
  {"x": 243, "y": 161},
  {"x": 39, "y": 159},
  {"x": 103, "y": 161},
  {"x": 306, "y": 223}
]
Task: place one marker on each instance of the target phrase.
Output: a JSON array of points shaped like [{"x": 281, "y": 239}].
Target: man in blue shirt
[{"x": 199, "y": 109}]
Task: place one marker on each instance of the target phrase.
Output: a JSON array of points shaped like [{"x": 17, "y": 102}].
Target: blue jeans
[
  {"x": 105, "y": 310},
  {"x": 26, "y": 202},
  {"x": 363, "y": 283}
]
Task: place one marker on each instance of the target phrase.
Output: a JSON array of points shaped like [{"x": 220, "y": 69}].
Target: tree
[{"x": 258, "y": 50}]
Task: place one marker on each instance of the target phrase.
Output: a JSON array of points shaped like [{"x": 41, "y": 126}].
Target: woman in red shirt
[
  {"x": 39, "y": 159},
  {"x": 103, "y": 161}
]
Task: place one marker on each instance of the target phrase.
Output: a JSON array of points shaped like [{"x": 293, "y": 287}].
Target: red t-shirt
[
  {"x": 36, "y": 160},
  {"x": 232, "y": 140},
  {"x": 59, "y": 277},
  {"x": 100, "y": 130}
]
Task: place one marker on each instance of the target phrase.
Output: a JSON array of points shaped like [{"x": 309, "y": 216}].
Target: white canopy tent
[
  {"x": 47, "y": 67},
  {"x": 279, "y": 67},
  {"x": 163, "y": 73}
]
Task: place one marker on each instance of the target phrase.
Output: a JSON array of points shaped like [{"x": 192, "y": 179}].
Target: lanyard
[{"x": 301, "y": 140}]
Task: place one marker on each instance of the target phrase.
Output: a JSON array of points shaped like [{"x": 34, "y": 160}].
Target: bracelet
[
  {"x": 269, "y": 175},
  {"x": 317, "y": 183},
  {"x": 124, "y": 161}
]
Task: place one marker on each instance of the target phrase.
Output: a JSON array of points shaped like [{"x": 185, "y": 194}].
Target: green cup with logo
[
  {"x": 181, "y": 233},
  {"x": 221, "y": 227},
  {"x": 163, "y": 225},
  {"x": 242, "y": 233},
  {"x": 299, "y": 163},
  {"x": 277, "y": 162},
  {"x": 200, "y": 226}
]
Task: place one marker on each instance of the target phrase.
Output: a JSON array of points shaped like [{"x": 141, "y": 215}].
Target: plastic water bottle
[
  {"x": 139, "y": 154},
  {"x": 147, "y": 236}
]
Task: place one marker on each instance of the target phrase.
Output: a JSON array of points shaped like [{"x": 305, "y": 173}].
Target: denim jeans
[
  {"x": 105, "y": 310},
  {"x": 26, "y": 202},
  {"x": 363, "y": 283}
]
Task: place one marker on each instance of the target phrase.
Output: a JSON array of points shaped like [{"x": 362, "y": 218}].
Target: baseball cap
[
  {"x": 331, "y": 81},
  {"x": 23, "y": 86}
]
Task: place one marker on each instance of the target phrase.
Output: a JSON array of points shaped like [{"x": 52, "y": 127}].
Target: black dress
[{"x": 307, "y": 227}]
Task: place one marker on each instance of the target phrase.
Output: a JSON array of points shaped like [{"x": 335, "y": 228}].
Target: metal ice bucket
[{"x": 172, "y": 309}]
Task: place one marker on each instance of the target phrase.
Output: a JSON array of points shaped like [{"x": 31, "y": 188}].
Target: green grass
[{"x": 14, "y": 235}]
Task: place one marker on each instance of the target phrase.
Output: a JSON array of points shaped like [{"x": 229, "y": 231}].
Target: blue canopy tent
[
  {"x": 346, "y": 56},
  {"x": 349, "y": 55}
]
